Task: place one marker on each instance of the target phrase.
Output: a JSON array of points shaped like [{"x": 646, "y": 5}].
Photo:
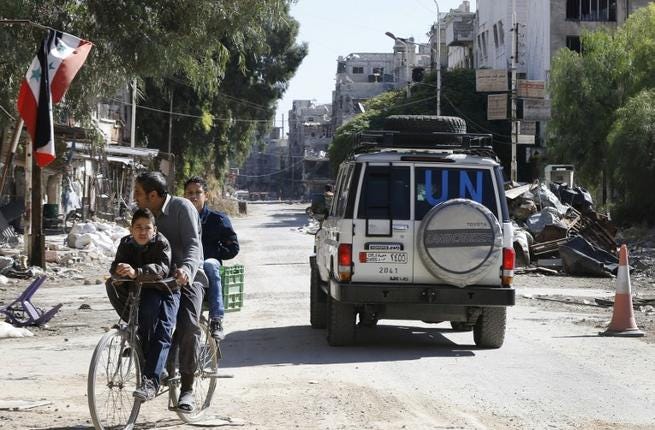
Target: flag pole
[
  {"x": 11, "y": 154},
  {"x": 37, "y": 256}
]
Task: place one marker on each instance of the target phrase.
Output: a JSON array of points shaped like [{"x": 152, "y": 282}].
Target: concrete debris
[
  {"x": 96, "y": 236},
  {"x": 8, "y": 330},
  {"x": 550, "y": 218},
  {"x": 21, "y": 405}
]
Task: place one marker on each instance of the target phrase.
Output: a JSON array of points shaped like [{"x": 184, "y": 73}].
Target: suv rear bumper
[{"x": 363, "y": 293}]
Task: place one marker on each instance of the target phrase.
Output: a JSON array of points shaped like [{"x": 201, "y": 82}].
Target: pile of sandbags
[{"x": 100, "y": 236}]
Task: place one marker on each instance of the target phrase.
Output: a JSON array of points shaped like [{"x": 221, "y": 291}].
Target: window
[
  {"x": 437, "y": 184},
  {"x": 573, "y": 43},
  {"x": 341, "y": 195},
  {"x": 378, "y": 71},
  {"x": 385, "y": 193},
  {"x": 501, "y": 33},
  {"x": 591, "y": 10},
  {"x": 496, "y": 35},
  {"x": 484, "y": 43},
  {"x": 358, "y": 70}
]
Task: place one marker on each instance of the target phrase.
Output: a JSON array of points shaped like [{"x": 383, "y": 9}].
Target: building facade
[
  {"x": 310, "y": 133},
  {"x": 265, "y": 172},
  {"x": 363, "y": 75}
]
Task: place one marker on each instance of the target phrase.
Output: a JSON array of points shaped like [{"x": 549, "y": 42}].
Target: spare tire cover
[{"x": 459, "y": 240}]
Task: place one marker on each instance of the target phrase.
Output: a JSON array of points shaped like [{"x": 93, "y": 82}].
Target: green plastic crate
[{"x": 232, "y": 282}]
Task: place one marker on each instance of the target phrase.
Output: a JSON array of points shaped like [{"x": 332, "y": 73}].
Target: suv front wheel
[
  {"x": 489, "y": 330},
  {"x": 340, "y": 323}
]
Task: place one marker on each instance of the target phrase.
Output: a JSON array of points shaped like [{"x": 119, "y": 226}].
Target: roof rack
[{"x": 375, "y": 140}]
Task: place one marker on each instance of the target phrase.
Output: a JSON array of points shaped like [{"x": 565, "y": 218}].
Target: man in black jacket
[{"x": 219, "y": 242}]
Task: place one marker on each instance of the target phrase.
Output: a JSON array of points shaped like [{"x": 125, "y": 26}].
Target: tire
[
  {"x": 113, "y": 376},
  {"x": 341, "y": 323},
  {"x": 318, "y": 301},
  {"x": 489, "y": 330},
  {"x": 459, "y": 241},
  {"x": 460, "y": 326},
  {"x": 445, "y": 124},
  {"x": 204, "y": 383}
]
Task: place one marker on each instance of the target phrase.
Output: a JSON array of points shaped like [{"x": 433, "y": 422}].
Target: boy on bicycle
[{"x": 145, "y": 256}]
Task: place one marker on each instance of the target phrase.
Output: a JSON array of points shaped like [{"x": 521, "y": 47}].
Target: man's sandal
[{"x": 185, "y": 404}]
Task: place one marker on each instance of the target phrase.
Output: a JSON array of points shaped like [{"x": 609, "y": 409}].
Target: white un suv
[{"x": 418, "y": 229}]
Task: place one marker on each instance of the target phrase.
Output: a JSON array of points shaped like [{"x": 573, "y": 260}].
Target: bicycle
[{"x": 115, "y": 371}]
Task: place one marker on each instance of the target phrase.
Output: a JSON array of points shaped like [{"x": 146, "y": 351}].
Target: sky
[{"x": 338, "y": 27}]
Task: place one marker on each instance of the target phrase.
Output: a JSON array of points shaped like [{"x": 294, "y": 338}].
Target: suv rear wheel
[
  {"x": 489, "y": 330},
  {"x": 318, "y": 302},
  {"x": 340, "y": 323}
]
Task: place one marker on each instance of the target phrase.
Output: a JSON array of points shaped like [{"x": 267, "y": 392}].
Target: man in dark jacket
[{"x": 219, "y": 242}]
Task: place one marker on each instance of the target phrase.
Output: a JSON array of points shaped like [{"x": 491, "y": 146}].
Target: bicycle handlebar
[{"x": 166, "y": 281}]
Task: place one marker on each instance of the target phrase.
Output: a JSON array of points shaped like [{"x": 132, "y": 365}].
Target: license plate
[{"x": 386, "y": 257}]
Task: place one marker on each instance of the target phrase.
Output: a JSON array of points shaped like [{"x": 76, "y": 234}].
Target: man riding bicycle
[{"x": 178, "y": 221}]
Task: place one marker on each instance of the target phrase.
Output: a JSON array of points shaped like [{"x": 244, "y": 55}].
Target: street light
[
  {"x": 404, "y": 43},
  {"x": 438, "y": 58}
]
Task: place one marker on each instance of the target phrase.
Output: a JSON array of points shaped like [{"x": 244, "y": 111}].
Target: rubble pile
[
  {"x": 96, "y": 236},
  {"x": 557, "y": 228}
]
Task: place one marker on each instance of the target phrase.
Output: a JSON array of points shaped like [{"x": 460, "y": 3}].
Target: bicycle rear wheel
[
  {"x": 204, "y": 382},
  {"x": 114, "y": 374}
]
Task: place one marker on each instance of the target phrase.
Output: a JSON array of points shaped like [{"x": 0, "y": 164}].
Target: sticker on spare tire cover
[{"x": 458, "y": 238}]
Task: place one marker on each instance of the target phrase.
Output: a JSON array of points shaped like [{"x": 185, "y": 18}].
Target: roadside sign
[
  {"x": 491, "y": 80},
  {"x": 531, "y": 89},
  {"x": 496, "y": 106},
  {"x": 528, "y": 127},
  {"x": 536, "y": 109},
  {"x": 523, "y": 139}
]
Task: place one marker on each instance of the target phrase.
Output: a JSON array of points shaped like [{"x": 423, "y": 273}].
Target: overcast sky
[{"x": 339, "y": 27}]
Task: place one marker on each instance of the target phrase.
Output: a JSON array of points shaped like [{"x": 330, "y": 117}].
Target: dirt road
[{"x": 553, "y": 372}]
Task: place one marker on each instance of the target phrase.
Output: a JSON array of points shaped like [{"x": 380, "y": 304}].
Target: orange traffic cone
[{"x": 623, "y": 319}]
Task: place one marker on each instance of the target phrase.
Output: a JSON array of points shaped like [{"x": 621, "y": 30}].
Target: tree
[
  {"x": 194, "y": 39},
  {"x": 226, "y": 122},
  {"x": 599, "y": 101},
  {"x": 632, "y": 151}
]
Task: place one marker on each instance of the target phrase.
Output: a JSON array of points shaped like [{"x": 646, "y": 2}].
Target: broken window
[
  {"x": 591, "y": 10},
  {"x": 496, "y": 35},
  {"x": 501, "y": 33},
  {"x": 573, "y": 43}
]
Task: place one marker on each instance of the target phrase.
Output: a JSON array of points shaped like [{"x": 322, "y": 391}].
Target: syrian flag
[{"x": 52, "y": 70}]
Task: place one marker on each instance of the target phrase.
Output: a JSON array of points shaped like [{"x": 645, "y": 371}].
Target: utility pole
[
  {"x": 133, "y": 123},
  {"x": 171, "y": 166},
  {"x": 515, "y": 124},
  {"x": 438, "y": 59}
]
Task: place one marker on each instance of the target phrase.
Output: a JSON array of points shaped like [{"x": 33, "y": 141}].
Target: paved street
[{"x": 553, "y": 372}]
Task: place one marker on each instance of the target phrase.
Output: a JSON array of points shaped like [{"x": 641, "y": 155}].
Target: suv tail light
[
  {"x": 508, "y": 266},
  {"x": 345, "y": 257}
]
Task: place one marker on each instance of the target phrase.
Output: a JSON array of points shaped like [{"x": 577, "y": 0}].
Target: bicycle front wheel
[
  {"x": 204, "y": 382},
  {"x": 114, "y": 374}
]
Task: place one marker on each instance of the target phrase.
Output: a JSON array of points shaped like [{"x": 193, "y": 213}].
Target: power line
[
  {"x": 188, "y": 115},
  {"x": 274, "y": 173},
  {"x": 8, "y": 114}
]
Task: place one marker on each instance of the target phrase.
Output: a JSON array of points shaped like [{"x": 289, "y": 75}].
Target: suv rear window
[
  {"x": 385, "y": 193},
  {"x": 438, "y": 184}
]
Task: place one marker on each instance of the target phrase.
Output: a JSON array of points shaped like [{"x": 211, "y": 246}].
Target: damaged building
[{"x": 310, "y": 133}]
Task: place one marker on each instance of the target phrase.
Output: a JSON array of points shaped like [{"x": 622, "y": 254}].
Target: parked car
[{"x": 419, "y": 230}]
